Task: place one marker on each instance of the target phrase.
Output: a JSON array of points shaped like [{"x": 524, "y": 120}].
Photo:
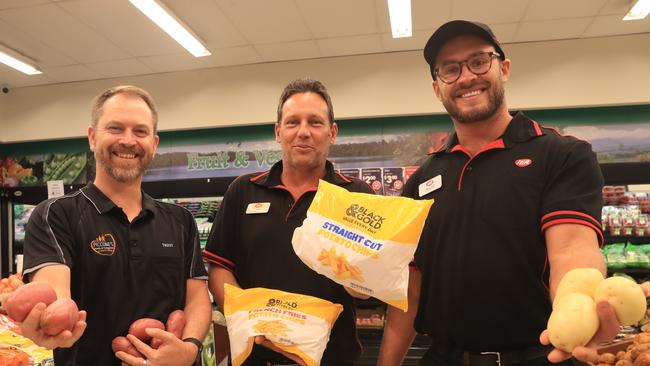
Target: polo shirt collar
[
  {"x": 273, "y": 177},
  {"x": 520, "y": 129},
  {"x": 103, "y": 204}
]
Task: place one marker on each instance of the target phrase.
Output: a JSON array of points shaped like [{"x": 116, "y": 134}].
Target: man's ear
[
  {"x": 334, "y": 131},
  {"x": 91, "y": 138},
  {"x": 436, "y": 89},
  {"x": 277, "y": 131},
  {"x": 505, "y": 69}
]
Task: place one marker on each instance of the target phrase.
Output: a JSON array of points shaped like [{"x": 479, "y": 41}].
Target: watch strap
[{"x": 196, "y": 342}]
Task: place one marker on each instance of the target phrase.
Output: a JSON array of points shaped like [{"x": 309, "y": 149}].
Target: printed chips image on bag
[
  {"x": 362, "y": 241},
  {"x": 295, "y": 323}
]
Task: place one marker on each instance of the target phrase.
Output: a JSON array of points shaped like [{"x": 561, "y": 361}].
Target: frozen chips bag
[
  {"x": 295, "y": 323},
  {"x": 362, "y": 241}
]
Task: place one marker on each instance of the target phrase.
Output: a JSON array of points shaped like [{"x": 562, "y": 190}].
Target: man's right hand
[{"x": 31, "y": 329}]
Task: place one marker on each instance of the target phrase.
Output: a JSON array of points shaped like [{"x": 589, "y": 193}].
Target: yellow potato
[
  {"x": 573, "y": 322},
  {"x": 625, "y": 296},
  {"x": 582, "y": 280}
]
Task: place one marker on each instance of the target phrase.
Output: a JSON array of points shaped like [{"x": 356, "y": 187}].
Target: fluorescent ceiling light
[
  {"x": 165, "y": 20},
  {"x": 400, "y": 18},
  {"x": 639, "y": 11},
  {"x": 12, "y": 59}
]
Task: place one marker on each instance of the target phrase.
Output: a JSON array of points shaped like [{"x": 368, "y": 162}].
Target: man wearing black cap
[{"x": 516, "y": 206}]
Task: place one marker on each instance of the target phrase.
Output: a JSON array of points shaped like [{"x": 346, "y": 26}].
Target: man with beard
[
  {"x": 119, "y": 254},
  {"x": 517, "y": 205}
]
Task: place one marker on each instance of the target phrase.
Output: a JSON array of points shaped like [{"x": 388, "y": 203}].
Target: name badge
[
  {"x": 430, "y": 185},
  {"x": 258, "y": 208}
]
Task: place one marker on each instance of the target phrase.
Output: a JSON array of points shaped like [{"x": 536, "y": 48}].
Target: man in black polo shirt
[
  {"x": 250, "y": 243},
  {"x": 119, "y": 254},
  {"x": 517, "y": 205}
]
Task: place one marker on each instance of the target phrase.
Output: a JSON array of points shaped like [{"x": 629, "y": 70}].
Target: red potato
[
  {"x": 156, "y": 343},
  {"x": 138, "y": 327},
  {"x": 123, "y": 344},
  {"x": 21, "y": 302},
  {"x": 176, "y": 323},
  {"x": 59, "y": 316}
]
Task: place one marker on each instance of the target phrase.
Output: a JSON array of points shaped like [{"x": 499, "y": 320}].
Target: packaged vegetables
[{"x": 362, "y": 241}]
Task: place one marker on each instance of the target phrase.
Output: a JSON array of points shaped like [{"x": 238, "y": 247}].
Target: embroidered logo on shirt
[
  {"x": 168, "y": 245},
  {"x": 105, "y": 244},
  {"x": 522, "y": 163}
]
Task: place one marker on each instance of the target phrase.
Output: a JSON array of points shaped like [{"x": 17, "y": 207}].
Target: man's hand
[
  {"x": 172, "y": 351},
  {"x": 261, "y": 340},
  {"x": 31, "y": 329},
  {"x": 609, "y": 326}
]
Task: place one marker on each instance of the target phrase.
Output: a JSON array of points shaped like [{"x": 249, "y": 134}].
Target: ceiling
[{"x": 73, "y": 40}]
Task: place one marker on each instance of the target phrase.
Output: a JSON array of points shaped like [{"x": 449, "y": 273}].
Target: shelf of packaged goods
[{"x": 609, "y": 239}]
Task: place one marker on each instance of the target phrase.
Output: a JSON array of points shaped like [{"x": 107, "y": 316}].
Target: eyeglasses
[{"x": 479, "y": 64}]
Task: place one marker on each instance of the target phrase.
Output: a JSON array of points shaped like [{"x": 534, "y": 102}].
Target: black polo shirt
[
  {"x": 120, "y": 271},
  {"x": 257, "y": 248},
  {"x": 482, "y": 253}
]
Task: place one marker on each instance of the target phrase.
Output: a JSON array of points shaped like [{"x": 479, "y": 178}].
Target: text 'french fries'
[
  {"x": 362, "y": 241},
  {"x": 295, "y": 323}
]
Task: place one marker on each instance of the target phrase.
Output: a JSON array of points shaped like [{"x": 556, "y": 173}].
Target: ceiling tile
[
  {"x": 178, "y": 62},
  {"x": 64, "y": 74},
  {"x": 489, "y": 11},
  {"x": 614, "y": 7},
  {"x": 207, "y": 21},
  {"x": 613, "y": 25},
  {"x": 505, "y": 32},
  {"x": 117, "y": 68},
  {"x": 58, "y": 29},
  {"x": 236, "y": 56},
  {"x": 10, "y": 4},
  {"x": 429, "y": 14},
  {"x": 354, "y": 45},
  {"x": 43, "y": 55},
  {"x": 288, "y": 51},
  {"x": 416, "y": 42},
  {"x": 136, "y": 35},
  {"x": 551, "y": 29},
  {"x": 351, "y": 17},
  {"x": 562, "y": 9},
  {"x": 16, "y": 79},
  {"x": 266, "y": 21}
]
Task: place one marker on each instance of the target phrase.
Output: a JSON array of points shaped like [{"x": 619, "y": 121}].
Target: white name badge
[
  {"x": 430, "y": 185},
  {"x": 258, "y": 208}
]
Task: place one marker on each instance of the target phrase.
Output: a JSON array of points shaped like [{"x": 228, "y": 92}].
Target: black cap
[{"x": 457, "y": 28}]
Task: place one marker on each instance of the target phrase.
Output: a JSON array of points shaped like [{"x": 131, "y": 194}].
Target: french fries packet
[
  {"x": 362, "y": 241},
  {"x": 298, "y": 324}
]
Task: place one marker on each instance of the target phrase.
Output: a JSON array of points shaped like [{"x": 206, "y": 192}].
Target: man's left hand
[
  {"x": 608, "y": 328},
  {"x": 172, "y": 351}
]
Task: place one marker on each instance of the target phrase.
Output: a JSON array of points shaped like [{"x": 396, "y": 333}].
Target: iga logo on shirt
[{"x": 104, "y": 244}]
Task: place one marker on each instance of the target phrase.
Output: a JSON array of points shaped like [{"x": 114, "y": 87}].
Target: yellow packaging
[
  {"x": 295, "y": 323},
  {"x": 362, "y": 241}
]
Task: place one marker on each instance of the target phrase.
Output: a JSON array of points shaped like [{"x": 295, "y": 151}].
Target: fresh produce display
[
  {"x": 65, "y": 167},
  {"x": 574, "y": 320},
  {"x": 14, "y": 173},
  {"x": 636, "y": 354}
]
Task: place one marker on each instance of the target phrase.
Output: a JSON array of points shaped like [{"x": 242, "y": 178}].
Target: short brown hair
[
  {"x": 98, "y": 102},
  {"x": 306, "y": 85}
]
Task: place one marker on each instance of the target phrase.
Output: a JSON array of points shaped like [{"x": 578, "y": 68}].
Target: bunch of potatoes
[
  {"x": 175, "y": 325},
  {"x": 637, "y": 354},
  {"x": 574, "y": 319}
]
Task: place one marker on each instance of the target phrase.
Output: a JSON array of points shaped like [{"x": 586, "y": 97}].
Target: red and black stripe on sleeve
[
  {"x": 573, "y": 217},
  {"x": 220, "y": 261}
]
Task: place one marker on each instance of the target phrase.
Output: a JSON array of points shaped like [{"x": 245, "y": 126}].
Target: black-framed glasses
[{"x": 479, "y": 64}]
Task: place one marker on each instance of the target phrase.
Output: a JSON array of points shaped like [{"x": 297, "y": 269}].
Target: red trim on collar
[
  {"x": 346, "y": 179},
  {"x": 561, "y": 135},
  {"x": 496, "y": 144},
  {"x": 461, "y": 148},
  {"x": 255, "y": 178},
  {"x": 538, "y": 130}
]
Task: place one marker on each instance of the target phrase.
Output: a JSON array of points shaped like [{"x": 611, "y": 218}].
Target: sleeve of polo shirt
[
  {"x": 48, "y": 237},
  {"x": 193, "y": 262},
  {"x": 221, "y": 245},
  {"x": 573, "y": 194}
]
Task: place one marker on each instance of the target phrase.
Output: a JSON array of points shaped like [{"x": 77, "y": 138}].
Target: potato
[
  {"x": 620, "y": 355},
  {"x": 59, "y": 316},
  {"x": 642, "y": 360},
  {"x": 573, "y": 322},
  {"x": 642, "y": 338},
  {"x": 607, "y": 358},
  {"x": 623, "y": 363},
  {"x": 176, "y": 323},
  {"x": 123, "y": 344},
  {"x": 581, "y": 280},
  {"x": 138, "y": 327},
  {"x": 156, "y": 343},
  {"x": 23, "y": 300},
  {"x": 625, "y": 296}
]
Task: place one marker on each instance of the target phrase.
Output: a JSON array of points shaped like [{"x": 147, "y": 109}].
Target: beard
[
  {"x": 495, "y": 96},
  {"x": 119, "y": 170}
]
